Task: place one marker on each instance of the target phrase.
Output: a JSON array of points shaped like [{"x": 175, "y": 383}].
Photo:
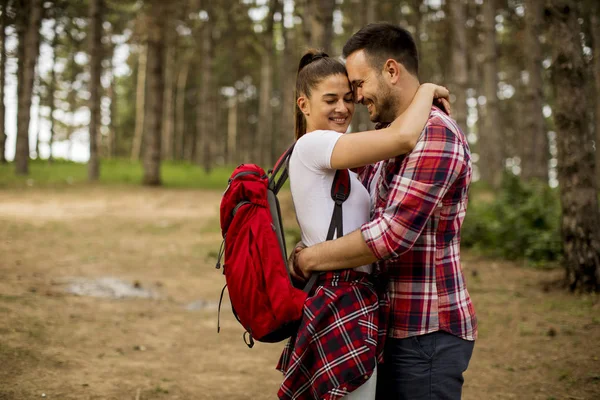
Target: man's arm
[
  {"x": 346, "y": 252},
  {"x": 424, "y": 178}
]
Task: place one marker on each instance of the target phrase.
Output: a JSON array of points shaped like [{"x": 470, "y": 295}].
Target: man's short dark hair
[{"x": 382, "y": 41}]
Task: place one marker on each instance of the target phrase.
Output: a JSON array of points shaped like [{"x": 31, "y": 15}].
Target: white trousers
[{"x": 366, "y": 391}]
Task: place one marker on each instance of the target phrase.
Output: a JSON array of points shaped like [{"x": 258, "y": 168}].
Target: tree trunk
[
  {"x": 140, "y": 104},
  {"x": 232, "y": 124},
  {"x": 535, "y": 151},
  {"x": 3, "y": 22},
  {"x": 206, "y": 112},
  {"x": 317, "y": 24},
  {"x": 287, "y": 83},
  {"x": 576, "y": 159},
  {"x": 52, "y": 91},
  {"x": 168, "y": 133},
  {"x": 38, "y": 120},
  {"x": 180, "y": 118},
  {"x": 156, "y": 84},
  {"x": 308, "y": 15},
  {"x": 490, "y": 139},
  {"x": 595, "y": 28},
  {"x": 415, "y": 20},
  {"x": 361, "y": 120},
  {"x": 265, "y": 111},
  {"x": 95, "y": 49},
  {"x": 111, "y": 146},
  {"x": 459, "y": 62},
  {"x": 324, "y": 20},
  {"x": 29, "y": 43}
]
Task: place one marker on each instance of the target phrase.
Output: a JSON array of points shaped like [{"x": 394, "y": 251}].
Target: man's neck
[{"x": 408, "y": 90}]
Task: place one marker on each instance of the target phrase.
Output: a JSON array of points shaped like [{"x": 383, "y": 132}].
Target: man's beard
[{"x": 386, "y": 107}]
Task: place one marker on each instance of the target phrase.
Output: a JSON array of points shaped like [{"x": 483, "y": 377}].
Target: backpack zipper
[
  {"x": 244, "y": 173},
  {"x": 221, "y": 252},
  {"x": 238, "y": 176}
]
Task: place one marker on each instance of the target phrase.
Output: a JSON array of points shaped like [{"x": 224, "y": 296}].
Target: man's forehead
[{"x": 357, "y": 65}]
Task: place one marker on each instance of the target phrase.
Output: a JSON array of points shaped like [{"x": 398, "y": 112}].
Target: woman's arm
[{"x": 363, "y": 148}]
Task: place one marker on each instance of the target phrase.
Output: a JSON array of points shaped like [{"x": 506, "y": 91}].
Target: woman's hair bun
[{"x": 310, "y": 56}]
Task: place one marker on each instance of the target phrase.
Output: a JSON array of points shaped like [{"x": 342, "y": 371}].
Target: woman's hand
[{"x": 441, "y": 96}]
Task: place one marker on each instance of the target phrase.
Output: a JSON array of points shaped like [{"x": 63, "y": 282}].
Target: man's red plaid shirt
[{"x": 420, "y": 204}]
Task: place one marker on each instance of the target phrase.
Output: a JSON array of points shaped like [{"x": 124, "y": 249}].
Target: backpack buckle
[
  {"x": 248, "y": 339},
  {"x": 339, "y": 198}
]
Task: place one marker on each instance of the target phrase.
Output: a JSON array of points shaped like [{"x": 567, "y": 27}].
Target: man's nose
[{"x": 358, "y": 97}]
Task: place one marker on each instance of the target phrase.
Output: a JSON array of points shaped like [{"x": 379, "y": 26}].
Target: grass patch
[{"x": 174, "y": 174}]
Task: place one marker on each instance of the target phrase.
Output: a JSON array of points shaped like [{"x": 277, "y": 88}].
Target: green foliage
[
  {"x": 521, "y": 221},
  {"x": 117, "y": 171}
]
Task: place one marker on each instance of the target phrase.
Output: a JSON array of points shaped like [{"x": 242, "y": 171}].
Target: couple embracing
[{"x": 389, "y": 316}]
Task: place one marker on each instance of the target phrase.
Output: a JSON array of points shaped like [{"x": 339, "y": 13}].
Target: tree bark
[
  {"x": 595, "y": 28},
  {"x": 180, "y": 97},
  {"x": 417, "y": 21},
  {"x": 459, "y": 62},
  {"x": 535, "y": 149},
  {"x": 180, "y": 118},
  {"x": 318, "y": 24},
  {"x": 206, "y": 106},
  {"x": 265, "y": 111},
  {"x": 52, "y": 91},
  {"x": 95, "y": 49},
  {"x": 366, "y": 15},
  {"x": 156, "y": 84},
  {"x": 491, "y": 148},
  {"x": 576, "y": 160},
  {"x": 3, "y": 22},
  {"x": 168, "y": 133},
  {"x": 30, "y": 18},
  {"x": 287, "y": 77},
  {"x": 475, "y": 66},
  {"x": 324, "y": 18},
  {"x": 232, "y": 124},
  {"x": 111, "y": 146},
  {"x": 140, "y": 104}
]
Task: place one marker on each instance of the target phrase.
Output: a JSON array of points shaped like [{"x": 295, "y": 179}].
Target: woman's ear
[{"x": 303, "y": 104}]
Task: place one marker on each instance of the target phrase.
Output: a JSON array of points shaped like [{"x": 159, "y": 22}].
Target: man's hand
[{"x": 295, "y": 270}]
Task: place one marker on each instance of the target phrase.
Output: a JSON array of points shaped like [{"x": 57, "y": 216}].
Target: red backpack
[{"x": 263, "y": 296}]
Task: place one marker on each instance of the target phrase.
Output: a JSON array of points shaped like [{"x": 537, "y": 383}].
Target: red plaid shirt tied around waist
[
  {"x": 340, "y": 339},
  {"x": 420, "y": 205}
]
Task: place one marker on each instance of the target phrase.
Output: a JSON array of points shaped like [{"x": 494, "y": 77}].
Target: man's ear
[
  {"x": 392, "y": 71},
  {"x": 303, "y": 104}
]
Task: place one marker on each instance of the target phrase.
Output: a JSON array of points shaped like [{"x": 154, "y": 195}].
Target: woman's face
[{"x": 330, "y": 106}]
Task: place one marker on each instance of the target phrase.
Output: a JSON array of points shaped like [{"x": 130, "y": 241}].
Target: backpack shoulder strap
[
  {"x": 340, "y": 191},
  {"x": 275, "y": 183}
]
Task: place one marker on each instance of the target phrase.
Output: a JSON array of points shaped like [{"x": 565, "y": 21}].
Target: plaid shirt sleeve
[{"x": 424, "y": 177}]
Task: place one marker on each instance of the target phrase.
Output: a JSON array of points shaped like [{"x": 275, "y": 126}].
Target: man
[{"x": 419, "y": 204}]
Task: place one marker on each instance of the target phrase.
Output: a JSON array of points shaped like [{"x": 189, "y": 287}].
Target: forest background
[{"x": 120, "y": 122}]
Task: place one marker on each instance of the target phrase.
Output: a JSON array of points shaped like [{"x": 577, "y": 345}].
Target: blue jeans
[{"x": 426, "y": 367}]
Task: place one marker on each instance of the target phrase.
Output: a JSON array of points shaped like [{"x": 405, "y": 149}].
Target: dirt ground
[{"x": 536, "y": 342}]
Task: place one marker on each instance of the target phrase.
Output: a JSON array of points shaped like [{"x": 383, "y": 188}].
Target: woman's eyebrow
[{"x": 330, "y": 95}]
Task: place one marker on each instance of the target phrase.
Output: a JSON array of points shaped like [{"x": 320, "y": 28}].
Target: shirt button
[{"x": 366, "y": 377}]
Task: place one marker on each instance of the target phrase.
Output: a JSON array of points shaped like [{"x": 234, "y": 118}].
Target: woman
[{"x": 340, "y": 340}]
